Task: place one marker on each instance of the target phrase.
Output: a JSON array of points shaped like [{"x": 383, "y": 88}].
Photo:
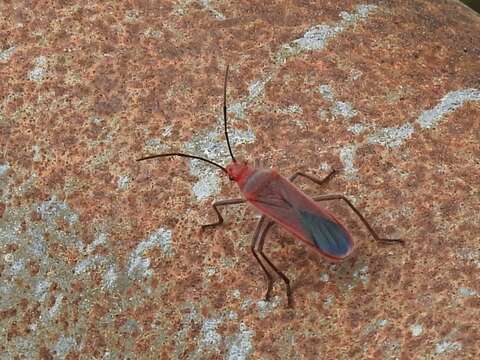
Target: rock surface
[{"x": 102, "y": 257}]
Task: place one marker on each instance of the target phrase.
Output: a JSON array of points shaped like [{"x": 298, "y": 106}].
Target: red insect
[{"x": 281, "y": 202}]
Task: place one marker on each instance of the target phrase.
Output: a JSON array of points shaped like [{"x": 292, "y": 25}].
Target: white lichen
[
  {"x": 324, "y": 277},
  {"x": 241, "y": 344},
  {"x": 56, "y": 306},
  {"x": 327, "y": 92},
  {"x": 266, "y": 307},
  {"x": 343, "y": 109},
  {"x": 391, "y": 137},
  {"x": 328, "y": 302},
  {"x": 318, "y": 36},
  {"x": 39, "y": 71},
  {"x": 356, "y": 129},
  {"x": 110, "y": 278},
  {"x": 41, "y": 288},
  {"x": 63, "y": 346},
  {"x": 217, "y": 14},
  {"x": 86, "y": 264},
  {"x": 362, "y": 274},
  {"x": 138, "y": 263},
  {"x": 210, "y": 338},
  {"x": 466, "y": 292},
  {"x": 449, "y": 103},
  {"x": 445, "y": 346},
  {"x": 3, "y": 169},
  {"x": 100, "y": 239},
  {"x": 7, "y": 53},
  {"x": 123, "y": 181},
  {"x": 347, "y": 157},
  {"x": 416, "y": 329}
]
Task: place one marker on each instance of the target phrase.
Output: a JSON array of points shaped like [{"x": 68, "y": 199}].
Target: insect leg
[
  {"x": 313, "y": 178},
  {"x": 374, "y": 234},
  {"x": 260, "y": 243},
  {"x": 254, "y": 244},
  {"x": 222, "y": 203}
]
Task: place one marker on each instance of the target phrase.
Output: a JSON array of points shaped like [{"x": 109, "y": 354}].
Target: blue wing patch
[{"x": 329, "y": 237}]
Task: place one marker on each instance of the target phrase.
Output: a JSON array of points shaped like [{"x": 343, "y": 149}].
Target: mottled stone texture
[{"x": 102, "y": 257}]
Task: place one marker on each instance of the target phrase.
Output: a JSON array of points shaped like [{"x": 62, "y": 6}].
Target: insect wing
[
  {"x": 327, "y": 235},
  {"x": 292, "y": 209}
]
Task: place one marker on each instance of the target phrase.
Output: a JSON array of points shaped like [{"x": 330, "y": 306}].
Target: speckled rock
[{"x": 103, "y": 257}]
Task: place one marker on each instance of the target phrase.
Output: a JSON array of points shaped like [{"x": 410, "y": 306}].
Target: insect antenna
[
  {"x": 225, "y": 114},
  {"x": 183, "y": 155},
  {"x": 226, "y": 136}
]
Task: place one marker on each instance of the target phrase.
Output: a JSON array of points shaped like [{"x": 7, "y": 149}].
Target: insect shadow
[{"x": 282, "y": 203}]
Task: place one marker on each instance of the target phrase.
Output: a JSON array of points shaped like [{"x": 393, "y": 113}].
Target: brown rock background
[{"x": 102, "y": 257}]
